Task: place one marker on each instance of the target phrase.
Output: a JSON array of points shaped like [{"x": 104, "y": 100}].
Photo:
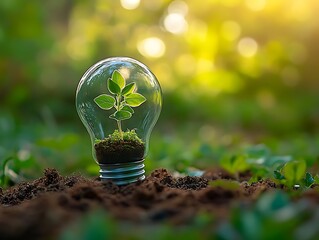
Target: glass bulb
[{"x": 119, "y": 101}]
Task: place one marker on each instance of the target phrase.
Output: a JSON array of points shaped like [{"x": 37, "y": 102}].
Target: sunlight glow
[
  {"x": 179, "y": 7},
  {"x": 256, "y": 5},
  {"x": 230, "y": 30},
  {"x": 152, "y": 47},
  {"x": 247, "y": 47},
  {"x": 130, "y": 4},
  {"x": 175, "y": 23}
]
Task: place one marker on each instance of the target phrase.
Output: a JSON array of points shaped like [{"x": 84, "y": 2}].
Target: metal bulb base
[{"x": 123, "y": 173}]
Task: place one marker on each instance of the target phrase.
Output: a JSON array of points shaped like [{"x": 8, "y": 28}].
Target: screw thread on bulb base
[{"x": 123, "y": 173}]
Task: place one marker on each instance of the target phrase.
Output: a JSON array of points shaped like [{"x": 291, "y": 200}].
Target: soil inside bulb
[{"x": 121, "y": 151}]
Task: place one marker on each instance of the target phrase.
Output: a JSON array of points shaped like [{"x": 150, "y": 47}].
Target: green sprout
[
  {"x": 123, "y": 100},
  {"x": 3, "y": 177}
]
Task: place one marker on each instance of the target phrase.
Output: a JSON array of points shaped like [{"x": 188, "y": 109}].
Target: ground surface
[{"x": 44, "y": 207}]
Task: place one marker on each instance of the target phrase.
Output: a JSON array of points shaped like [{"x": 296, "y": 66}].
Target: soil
[
  {"x": 45, "y": 206},
  {"x": 110, "y": 152}
]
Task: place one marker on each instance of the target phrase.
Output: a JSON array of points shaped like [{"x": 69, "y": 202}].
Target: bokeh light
[
  {"x": 130, "y": 4},
  {"x": 247, "y": 47},
  {"x": 175, "y": 23},
  {"x": 179, "y": 7},
  {"x": 152, "y": 47}
]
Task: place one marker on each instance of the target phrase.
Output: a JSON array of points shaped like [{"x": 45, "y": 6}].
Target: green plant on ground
[
  {"x": 123, "y": 99},
  {"x": 3, "y": 178},
  {"x": 16, "y": 168},
  {"x": 293, "y": 174}
]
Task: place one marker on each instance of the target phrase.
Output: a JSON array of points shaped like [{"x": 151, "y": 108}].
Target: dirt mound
[{"x": 45, "y": 206}]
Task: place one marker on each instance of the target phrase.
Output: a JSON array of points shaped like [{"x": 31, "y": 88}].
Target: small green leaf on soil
[
  {"x": 309, "y": 180},
  {"x": 135, "y": 99},
  {"x": 278, "y": 175},
  {"x": 294, "y": 171},
  {"x": 105, "y": 101}
]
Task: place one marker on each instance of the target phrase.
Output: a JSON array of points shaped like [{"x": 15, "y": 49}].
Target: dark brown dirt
[
  {"x": 45, "y": 206},
  {"x": 108, "y": 152}
]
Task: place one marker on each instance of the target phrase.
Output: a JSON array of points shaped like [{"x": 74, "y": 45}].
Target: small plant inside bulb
[{"x": 120, "y": 146}]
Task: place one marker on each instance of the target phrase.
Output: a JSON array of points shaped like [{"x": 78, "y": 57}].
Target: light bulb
[{"x": 119, "y": 101}]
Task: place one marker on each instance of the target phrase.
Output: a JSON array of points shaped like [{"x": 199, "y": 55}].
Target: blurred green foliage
[
  {"x": 273, "y": 216},
  {"x": 248, "y": 71}
]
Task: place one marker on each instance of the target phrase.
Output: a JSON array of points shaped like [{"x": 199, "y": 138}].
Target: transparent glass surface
[{"x": 94, "y": 83}]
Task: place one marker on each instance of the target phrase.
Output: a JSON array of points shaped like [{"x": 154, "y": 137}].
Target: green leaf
[
  {"x": 105, "y": 101},
  {"x": 278, "y": 175},
  {"x": 118, "y": 79},
  {"x": 113, "y": 87},
  {"x": 135, "y": 99},
  {"x": 235, "y": 164},
  {"x": 294, "y": 171},
  {"x": 129, "y": 88},
  {"x": 309, "y": 180},
  {"x": 122, "y": 115},
  {"x": 128, "y": 109}
]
